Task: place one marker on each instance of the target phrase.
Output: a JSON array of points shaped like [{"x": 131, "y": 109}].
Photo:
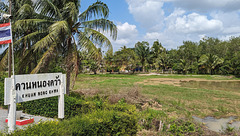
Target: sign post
[
  {"x": 61, "y": 102},
  {"x": 12, "y": 109},
  {"x": 22, "y": 88}
]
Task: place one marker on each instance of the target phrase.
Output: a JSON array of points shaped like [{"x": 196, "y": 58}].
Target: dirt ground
[{"x": 174, "y": 82}]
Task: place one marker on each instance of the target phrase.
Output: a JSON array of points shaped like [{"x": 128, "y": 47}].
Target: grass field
[{"x": 175, "y": 101}]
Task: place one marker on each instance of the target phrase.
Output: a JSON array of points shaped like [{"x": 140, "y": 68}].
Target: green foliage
[
  {"x": 2, "y": 77},
  {"x": 181, "y": 127},
  {"x": 74, "y": 105},
  {"x": 149, "y": 116},
  {"x": 230, "y": 129},
  {"x": 1, "y": 94},
  {"x": 155, "y": 120},
  {"x": 111, "y": 122},
  {"x": 49, "y": 107},
  {"x": 104, "y": 119},
  {"x": 48, "y": 128},
  {"x": 143, "y": 52}
]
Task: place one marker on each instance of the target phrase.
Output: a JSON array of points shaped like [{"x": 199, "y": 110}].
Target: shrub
[
  {"x": 48, "y": 128},
  {"x": 49, "y": 107},
  {"x": 1, "y": 94},
  {"x": 2, "y": 77},
  {"x": 103, "y": 122},
  {"x": 118, "y": 119}
]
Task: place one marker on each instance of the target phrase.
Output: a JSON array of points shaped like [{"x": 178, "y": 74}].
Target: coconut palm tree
[
  {"x": 142, "y": 50},
  {"x": 162, "y": 61},
  {"x": 210, "y": 62},
  {"x": 58, "y": 25},
  {"x": 21, "y": 9}
]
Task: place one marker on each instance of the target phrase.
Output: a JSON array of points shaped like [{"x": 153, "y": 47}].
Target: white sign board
[{"x": 35, "y": 86}]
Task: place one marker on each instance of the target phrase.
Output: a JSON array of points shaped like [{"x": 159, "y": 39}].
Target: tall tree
[
  {"x": 157, "y": 49},
  {"x": 210, "y": 62},
  {"x": 60, "y": 22},
  {"x": 142, "y": 50}
]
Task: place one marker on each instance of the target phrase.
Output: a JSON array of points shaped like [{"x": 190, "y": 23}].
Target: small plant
[
  {"x": 183, "y": 127},
  {"x": 122, "y": 101},
  {"x": 230, "y": 129}
]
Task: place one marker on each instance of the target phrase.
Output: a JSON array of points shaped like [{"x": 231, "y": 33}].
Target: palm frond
[
  {"x": 98, "y": 38},
  {"x": 3, "y": 62},
  {"x": 102, "y": 25},
  {"x": 70, "y": 11},
  {"x": 26, "y": 11},
  {"x": 55, "y": 30},
  {"x": 32, "y": 37},
  {"x": 47, "y": 8},
  {"x": 45, "y": 59},
  {"x": 32, "y": 24},
  {"x": 85, "y": 43},
  {"x": 24, "y": 61},
  {"x": 3, "y": 7},
  {"x": 98, "y": 9}
]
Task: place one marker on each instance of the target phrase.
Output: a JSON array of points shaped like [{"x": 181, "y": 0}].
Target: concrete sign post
[
  {"x": 61, "y": 101},
  {"x": 12, "y": 109},
  {"x": 22, "y": 88}
]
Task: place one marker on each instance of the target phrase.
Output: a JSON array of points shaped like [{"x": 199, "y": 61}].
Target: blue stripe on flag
[{"x": 5, "y": 33}]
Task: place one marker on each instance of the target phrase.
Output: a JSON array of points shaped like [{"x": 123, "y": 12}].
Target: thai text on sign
[{"x": 35, "y": 86}]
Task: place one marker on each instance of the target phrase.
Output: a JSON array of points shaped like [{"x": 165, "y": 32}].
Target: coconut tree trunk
[
  {"x": 68, "y": 82},
  {"x": 143, "y": 70},
  {"x": 69, "y": 56}
]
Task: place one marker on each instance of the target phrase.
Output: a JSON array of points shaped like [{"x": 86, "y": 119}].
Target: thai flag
[{"x": 5, "y": 33}]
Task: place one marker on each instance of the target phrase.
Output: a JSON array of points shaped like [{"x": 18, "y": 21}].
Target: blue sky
[{"x": 171, "y": 21}]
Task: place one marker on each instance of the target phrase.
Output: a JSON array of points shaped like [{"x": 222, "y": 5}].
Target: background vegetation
[{"x": 208, "y": 56}]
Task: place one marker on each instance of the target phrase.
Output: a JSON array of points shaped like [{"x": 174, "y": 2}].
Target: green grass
[{"x": 176, "y": 101}]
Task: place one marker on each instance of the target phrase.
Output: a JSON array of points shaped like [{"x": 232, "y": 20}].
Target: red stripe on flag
[
  {"x": 6, "y": 24},
  {"x": 5, "y": 42}
]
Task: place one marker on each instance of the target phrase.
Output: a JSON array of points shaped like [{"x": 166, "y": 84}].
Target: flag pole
[{"x": 12, "y": 106}]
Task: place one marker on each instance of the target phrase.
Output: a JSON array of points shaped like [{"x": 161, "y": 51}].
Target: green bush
[
  {"x": 49, "y": 107},
  {"x": 1, "y": 94},
  {"x": 48, "y": 128},
  {"x": 149, "y": 116},
  {"x": 74, "y": 105},
  {"x": 118, "y": 119},
  {"x": 2, "y": 77},
  {"x": 103, "y": 122}
]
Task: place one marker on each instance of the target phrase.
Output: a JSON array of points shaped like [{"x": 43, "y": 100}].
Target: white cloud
[
  {"x": 153, "y": 36},
  {"x": 163, "y": 37},
  {"x": 232, "y": 30},
  {"x": 209, "y": 5},
  {"x": 180, "y": 27},
  {"x": 230, "y": 21},
  {"x": 127, "y": 35},
  {"x": 190, "y": 20},
  {"x": 227, "y": 37},
  {"x": 148, "y": 12},
  {"x": 193, "y": 23}
]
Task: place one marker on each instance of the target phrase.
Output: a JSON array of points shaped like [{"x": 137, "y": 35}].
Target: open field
[{"x": 175, "y": 101}]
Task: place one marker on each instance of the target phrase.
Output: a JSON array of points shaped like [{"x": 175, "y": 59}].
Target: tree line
[{"x": 208, "y": 56}]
